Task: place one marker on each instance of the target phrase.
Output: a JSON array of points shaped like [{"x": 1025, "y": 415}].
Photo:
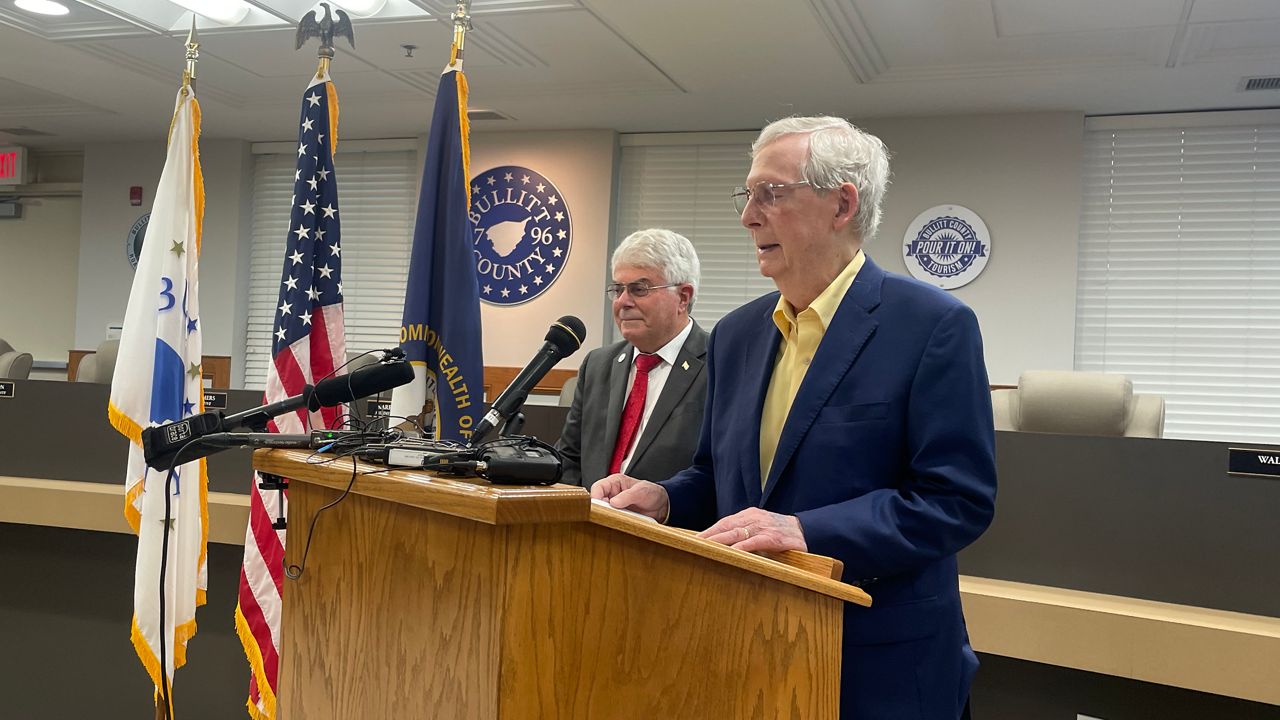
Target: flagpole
[
  {"x": 461, "y": 24},
  {"x": 193, "y": 56}
]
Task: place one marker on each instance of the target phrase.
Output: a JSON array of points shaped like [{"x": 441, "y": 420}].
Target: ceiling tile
[
  {"x": 25, "y": 102},
  {"x": 1045, "y": 17},
  {"x": 1221, "y": 42},
  {"x": 1234, "y": 10}
]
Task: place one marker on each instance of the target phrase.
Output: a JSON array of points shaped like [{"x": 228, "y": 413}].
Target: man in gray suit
[{"x": 638, "y": 405}]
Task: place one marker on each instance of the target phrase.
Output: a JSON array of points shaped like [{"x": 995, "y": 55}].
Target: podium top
[
  {"x": 465, "y": 497},
  {"x": 477, "y": 499}
]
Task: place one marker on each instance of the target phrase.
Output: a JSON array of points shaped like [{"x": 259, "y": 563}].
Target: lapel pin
[
  {"x": 621, "y": 357},
  {"x": 685, "y": 364}
]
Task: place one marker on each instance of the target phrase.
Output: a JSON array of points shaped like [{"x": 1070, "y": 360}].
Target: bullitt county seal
[
  {"x": 947, "y": 246},
  {"x": 133, "y": 243},
  {"x": 521, "y": 234}
]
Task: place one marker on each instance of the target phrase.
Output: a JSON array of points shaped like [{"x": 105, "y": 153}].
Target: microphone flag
[
  {"x": 157, "y": 379},
  {"x": 308, "y": 342},
  {"x": 440, "y": 332}
]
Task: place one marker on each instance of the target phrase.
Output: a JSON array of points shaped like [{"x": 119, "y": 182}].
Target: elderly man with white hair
[
  {"x": 848, "y": 414},
  {"x": 638, "y": 404}
]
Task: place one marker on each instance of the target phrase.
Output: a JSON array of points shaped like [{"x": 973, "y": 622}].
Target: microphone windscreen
[
  {"x": 368, "y": 380},
  {"x": 567, "y": 334}
]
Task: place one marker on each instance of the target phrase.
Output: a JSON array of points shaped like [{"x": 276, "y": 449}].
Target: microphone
[
  {"x": 366, "y": 381},
  {"x": 564, "y": 337},
  {"x": 161, "y": 444}
]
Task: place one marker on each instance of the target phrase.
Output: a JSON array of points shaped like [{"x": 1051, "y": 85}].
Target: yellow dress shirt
[{"x": 801, "y": 334}]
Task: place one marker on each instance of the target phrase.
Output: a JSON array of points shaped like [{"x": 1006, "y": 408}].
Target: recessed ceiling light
[
  {"x": 223, "y": 12},
  {"x": 43, "y": 7}
]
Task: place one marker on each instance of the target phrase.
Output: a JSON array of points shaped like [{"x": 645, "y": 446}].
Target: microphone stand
[{"x": 513, "y": 425}]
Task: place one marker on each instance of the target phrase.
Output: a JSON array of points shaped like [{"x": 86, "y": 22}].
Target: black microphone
[
  {"x": 564, "y": 337},
  {"x": 368, "y": 380},
  {"x": 256, "y": 418},
  {"x": 160, "y": 444}
]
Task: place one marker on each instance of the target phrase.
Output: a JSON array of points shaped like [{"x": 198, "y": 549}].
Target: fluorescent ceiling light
[
  {"x": 359, "y": 8},
  {"x": 224, "y": 12},
  {"x": 43, "y": 7}
]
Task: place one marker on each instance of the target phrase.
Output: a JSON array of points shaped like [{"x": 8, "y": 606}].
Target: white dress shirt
[{"x": 657, "y": 380}]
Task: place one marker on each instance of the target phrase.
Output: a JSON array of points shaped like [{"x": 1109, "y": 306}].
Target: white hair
[
  {"x": 667, "y": 251},
  {"x": 839, "y": 153}
]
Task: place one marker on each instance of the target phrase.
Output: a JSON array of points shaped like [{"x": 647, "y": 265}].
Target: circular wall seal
[
  {"x": 521, "y": 234},
  {"x": 947, "y": 246},
  {"x": 133, "y": 243}
]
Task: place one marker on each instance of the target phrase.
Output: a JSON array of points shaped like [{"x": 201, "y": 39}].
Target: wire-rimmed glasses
[
  {"x": 635, "y": 289},
  {"x": 764, "y": 192}
]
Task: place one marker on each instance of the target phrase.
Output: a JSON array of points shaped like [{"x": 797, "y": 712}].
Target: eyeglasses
[
  {"x": 635, "y": 289},
  {"x": 765, "y": 193}
]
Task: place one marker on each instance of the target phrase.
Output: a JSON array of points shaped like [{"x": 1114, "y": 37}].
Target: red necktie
[{"x": 634, "y": 410}]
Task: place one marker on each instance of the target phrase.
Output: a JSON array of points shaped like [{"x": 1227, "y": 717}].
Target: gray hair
[
  {"x": 839, "y": 153},
  {"x": 667, "y": 251}
]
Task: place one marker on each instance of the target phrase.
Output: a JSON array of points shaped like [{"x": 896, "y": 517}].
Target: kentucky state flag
[
  {"x": 440, "y": 332},
  {"x": 158, "y": 380}
]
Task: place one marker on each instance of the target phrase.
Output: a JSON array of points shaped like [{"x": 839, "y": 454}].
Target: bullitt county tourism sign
[
  {"x": 947, "y": 246},
  {"x": 521, "y": 234}
]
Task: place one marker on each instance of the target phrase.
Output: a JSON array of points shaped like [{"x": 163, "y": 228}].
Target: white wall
[
  {"x": 580, "y": 163},
  {"x": 105, "y": 275},
  {"x": 1021, "y": 174},
  {"x": 38, "y": 269}
]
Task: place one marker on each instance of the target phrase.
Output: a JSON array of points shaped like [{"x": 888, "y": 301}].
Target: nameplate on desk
[
  {"x": 214, "y": 400},
  {"x": 379, "y": 409},
  {"x": 1252, "y": 462},
  {"x": 7, "y": 388}
]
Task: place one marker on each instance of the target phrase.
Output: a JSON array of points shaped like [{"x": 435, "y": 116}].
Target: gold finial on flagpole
[
  {"x": 324, "y": 29},
  {"x": 193, "y": 56},
  {"x": 461, "y": 24}
]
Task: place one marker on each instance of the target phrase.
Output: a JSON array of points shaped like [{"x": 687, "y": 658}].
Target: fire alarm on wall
[{"x": 135, "y": 195}]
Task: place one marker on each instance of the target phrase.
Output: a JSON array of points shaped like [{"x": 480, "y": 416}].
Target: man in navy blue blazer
[{"x": 849, "y": 415}]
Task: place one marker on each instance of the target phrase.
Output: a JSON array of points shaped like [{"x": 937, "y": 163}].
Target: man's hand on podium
[
  {"x": 756, "y": 530},
  {"x": 639, "y": 496}
]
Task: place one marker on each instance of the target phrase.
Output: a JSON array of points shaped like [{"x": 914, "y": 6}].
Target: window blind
[
  {"x": 377, "y": 202},
  {"x": 1179, "y": 273},
  {"x": 685, "y": 188}
]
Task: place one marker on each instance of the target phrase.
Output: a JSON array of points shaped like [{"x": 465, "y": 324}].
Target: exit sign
[{"x": 13, "y": 165}]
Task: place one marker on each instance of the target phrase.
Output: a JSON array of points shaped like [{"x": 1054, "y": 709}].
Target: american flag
[{"x": 308, "y": 342}]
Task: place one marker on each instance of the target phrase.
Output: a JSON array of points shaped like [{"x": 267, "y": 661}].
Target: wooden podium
[{"x": 434, "y": 597}]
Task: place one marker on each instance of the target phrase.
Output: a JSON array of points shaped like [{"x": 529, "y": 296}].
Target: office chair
[
  {"x": 99, "y": 366},
  {"x": 14, "y": 365},
  {"x": 568, "y": 390},
  {"x": 1078, "y": 403}
]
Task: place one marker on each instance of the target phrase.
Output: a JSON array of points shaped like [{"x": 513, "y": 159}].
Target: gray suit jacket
[{"x": 666, "y": 446}]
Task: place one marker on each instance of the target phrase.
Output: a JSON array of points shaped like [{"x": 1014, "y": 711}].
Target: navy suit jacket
[{"x": 887, "y": 458}]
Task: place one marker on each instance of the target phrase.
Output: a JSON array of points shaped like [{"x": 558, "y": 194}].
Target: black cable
[
  {"x": 293, "y": 572},
  {"x": 164, "y": 564},
  {"x": 164, "y": 561},
  {"x": 411, "y": 420},
  {"x": 509, "y": 440},
  {"x": 334, "y": 371}
]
